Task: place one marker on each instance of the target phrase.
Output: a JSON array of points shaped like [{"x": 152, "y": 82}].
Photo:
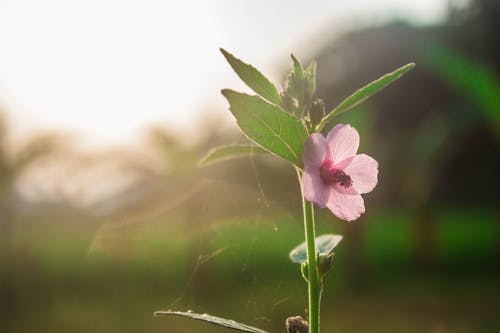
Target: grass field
[{"x": 75, "y": 275}]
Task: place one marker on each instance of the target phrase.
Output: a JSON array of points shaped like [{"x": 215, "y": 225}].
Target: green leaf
[
  {"x": 268, "y": 126},
  {"x": 254, "y": 79},
  {"x": 311, "y": 69},
  {"x": 469, "y": 77},
  {"x": 296, "y": 97},
  {"x": 324, "y": 247},
  {"x": 224, "y": 153},
  {"x": 310, "y": 75},
  {"x": 213, "y": 320},
  {"x": 297, "y": 69},
  {"x": 365, "y": 92}
]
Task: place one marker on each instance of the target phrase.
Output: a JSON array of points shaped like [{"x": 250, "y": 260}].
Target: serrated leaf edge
[{"x": 274, "y": 96}]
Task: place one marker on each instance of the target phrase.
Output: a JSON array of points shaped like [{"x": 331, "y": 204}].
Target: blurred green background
[{"x": 425, "y": 257}]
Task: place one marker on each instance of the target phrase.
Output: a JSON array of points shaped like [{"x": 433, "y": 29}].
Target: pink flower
[{"x": 334, "y": 176}]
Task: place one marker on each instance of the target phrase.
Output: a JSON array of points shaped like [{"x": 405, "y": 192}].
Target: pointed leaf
[
  {"x": 310, "y": 74},
  {"x": 365, "y": 92},
  {"x": 268, "y": 126},
  {"x": 311, "y": 69},
  {"x": 299, "y": 89},
  {"x": 297, "y": 69},
  {"x": 224, "y": 153},
  {"x": 324, "y": 245},
  {"x": 254, "y": 79},
  {"x": 213, "y": 320}
]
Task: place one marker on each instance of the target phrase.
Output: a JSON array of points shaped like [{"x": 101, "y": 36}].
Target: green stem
[{"x": 314, "y": 288}]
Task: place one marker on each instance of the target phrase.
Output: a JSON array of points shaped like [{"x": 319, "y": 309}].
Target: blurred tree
[
  {"x": 12, "y": 165},
  {"x": 437, "y": 126}
]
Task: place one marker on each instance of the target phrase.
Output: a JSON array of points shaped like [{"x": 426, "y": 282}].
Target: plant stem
[{"x": 314, "y": 288}]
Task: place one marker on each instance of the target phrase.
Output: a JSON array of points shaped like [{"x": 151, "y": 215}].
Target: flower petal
[
  {"x": 347, "y": 207},
  {"x": 342, "y": 142},
  {"x": 363, "y": 170},
  {"x": 314, "y": 150},
  {"x": 313, "y": 187}
]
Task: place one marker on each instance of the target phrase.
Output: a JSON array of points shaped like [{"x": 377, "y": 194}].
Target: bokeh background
[{"x": 105, "y": 217}]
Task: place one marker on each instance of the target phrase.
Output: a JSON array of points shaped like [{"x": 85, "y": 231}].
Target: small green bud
[
  {"x": 325, "y": 264},
  {"x": 316, "y": 112}
]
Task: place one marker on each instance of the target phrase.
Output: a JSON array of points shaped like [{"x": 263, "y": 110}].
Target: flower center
[{"x": 331, "y": 175}]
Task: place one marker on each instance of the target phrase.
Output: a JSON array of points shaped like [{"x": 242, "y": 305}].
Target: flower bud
[
  {"x": 325, "y": 264},
  {"x": 316, "y": 111}
]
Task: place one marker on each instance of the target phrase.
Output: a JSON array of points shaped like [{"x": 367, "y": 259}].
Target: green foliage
[
  {"x": 297, "y": 69},
  {"x": 477, "y": 81},
  {"x": 457, "y": 237},
  {"x": 268, "y": 126},
  {"x": 278, "y": 122},
  {"x": 253, "y": 78},
  {"x": 229, "y": 323},
  {"x": 224, "y": 153},
  {"x": 273, "y": 121},
  {"x": 310, "y": 75},
  {"x": 299, "y": 88},
  {"x": 154, "y": 268},
  {"x": 364, "y": 93}
]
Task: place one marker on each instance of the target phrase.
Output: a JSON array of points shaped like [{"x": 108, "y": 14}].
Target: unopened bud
[
  {"x": 316, "y": 111},
  {"x": 325, "y": 264}
]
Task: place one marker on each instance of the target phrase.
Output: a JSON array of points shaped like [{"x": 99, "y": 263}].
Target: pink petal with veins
[
  {"x": 347, "y": 207},
  {"x": 343, "y": 142},
  {"x": 314, "y": 189},
  {"x": 314, "y": 150},
  {"x": 363, "y": 170}
]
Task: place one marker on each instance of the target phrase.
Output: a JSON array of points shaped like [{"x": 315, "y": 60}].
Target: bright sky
[{"x": 107, "y": 68}]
